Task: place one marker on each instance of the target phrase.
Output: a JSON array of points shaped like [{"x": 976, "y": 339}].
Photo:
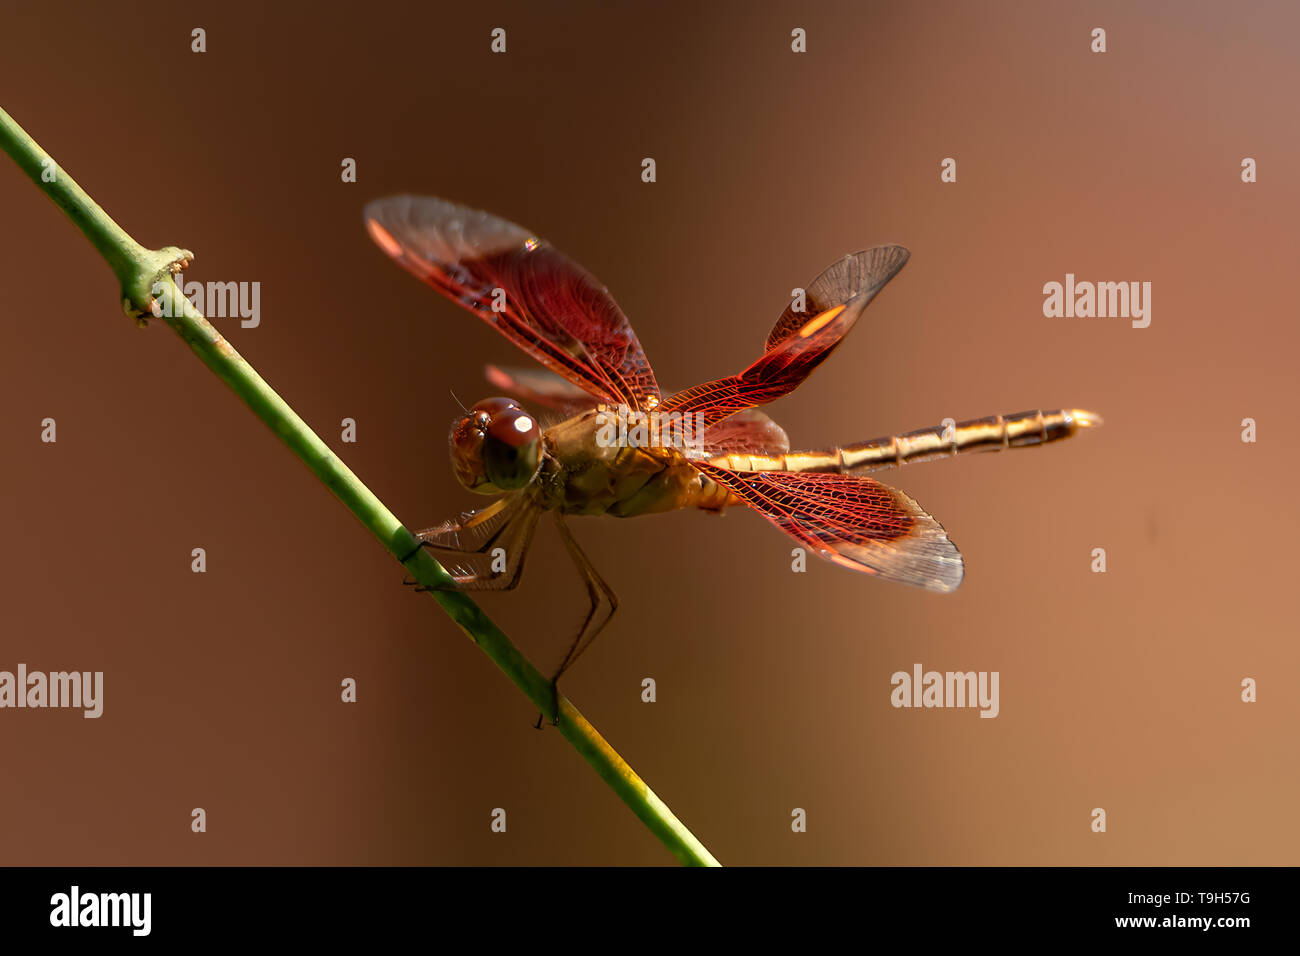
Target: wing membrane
[
  {"x": 778, "y": 372},
  {"x": 553, "y": 309},
  {"x": 748, "y": 432},
  {"x": 537, "y": 386},
  {"x": 856, "y": 522},
  {"x": 862, "y": 273},
  {"x": 797, "y": 343}
]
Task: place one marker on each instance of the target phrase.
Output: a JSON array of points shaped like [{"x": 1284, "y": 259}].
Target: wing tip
[
  {"x": 439, "y": 229},
  {"x": 938, "y": 573},
  {"x": 952, "y": 581},
  {"x": 384, "y": 207}
]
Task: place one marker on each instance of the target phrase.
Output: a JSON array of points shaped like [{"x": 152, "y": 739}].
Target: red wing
[
  {"x": 553, "y": 309},
  {"x": 797, "y": 343},
  {"x": 777, "y": 373},
  {"x": 863, "y": 273},
  {"x": 855, "y": 522},
  {"x": 536, "y": 386},
  {"x": 749, "y": 432}
]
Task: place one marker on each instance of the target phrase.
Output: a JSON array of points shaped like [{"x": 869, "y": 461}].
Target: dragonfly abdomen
[{"x": 943, "y": 441}]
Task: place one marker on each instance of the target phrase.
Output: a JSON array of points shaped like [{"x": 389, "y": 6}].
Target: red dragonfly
[{"x": 604, "y": 454}]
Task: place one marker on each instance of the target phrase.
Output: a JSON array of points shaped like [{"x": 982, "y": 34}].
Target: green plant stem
[{"x": 144, "y": 272}]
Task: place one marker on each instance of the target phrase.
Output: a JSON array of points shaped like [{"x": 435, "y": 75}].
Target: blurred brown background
[{"x": 222, "y": 690}]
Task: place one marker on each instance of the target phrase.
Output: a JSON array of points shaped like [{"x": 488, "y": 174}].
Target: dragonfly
[{"x": 715, "y": 448}]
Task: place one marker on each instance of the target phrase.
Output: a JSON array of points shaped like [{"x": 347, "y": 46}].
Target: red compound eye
[
  {"x": 513, "y": 427},
  {"x": 494, "y": 407},
  {"x": 512, "y": 445}
]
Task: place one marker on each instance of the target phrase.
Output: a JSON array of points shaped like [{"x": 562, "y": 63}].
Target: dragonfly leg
[
  {"x": 475, "y": 571},
  {"x": 421, "y": 588},
  {"x": 492, "y": 559},
  {"x": 553, "y": 706},
  {"x": 600, "y": 594}
]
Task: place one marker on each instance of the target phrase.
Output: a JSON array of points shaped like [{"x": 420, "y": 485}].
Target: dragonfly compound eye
[
  {"x": 492, "y": 407},
  {"x": 495, "y": 447},
  {"x": 511, "y": 447}
]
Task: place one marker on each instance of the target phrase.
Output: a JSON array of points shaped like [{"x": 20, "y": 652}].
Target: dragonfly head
[{"x": 496, "y": 447}]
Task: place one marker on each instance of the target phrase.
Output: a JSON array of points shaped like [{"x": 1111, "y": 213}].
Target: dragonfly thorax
[{"x": 496, "y": 447}]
